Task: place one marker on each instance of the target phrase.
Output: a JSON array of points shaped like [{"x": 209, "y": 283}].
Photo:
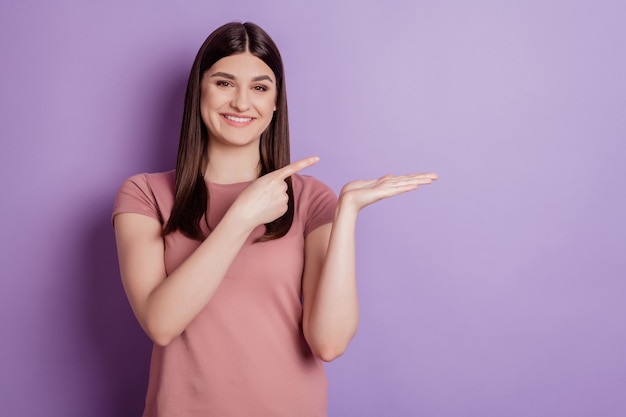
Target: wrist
[
  {"x": 237, "y": 223},
  {"x": 346, "y": 207}
]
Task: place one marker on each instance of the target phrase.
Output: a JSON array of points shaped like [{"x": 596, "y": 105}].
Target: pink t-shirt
[{"x": 245, "y": 354}]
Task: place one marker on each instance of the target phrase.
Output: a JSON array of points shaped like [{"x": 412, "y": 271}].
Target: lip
[{"x": 242, "y": 121}]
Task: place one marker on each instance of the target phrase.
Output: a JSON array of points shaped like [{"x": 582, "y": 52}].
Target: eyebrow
[{"x": 232, "y": 77}]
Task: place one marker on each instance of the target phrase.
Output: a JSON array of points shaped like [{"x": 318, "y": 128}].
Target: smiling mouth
[{"x": 237, "y": 119}]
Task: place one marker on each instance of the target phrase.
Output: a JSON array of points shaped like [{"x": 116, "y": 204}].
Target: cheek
[
  {"x": 208, "y": 98},
  {"x": 267, "y": 108},
  {"x": 268, "y": 105},
  {"x": 207, "y": 105}
]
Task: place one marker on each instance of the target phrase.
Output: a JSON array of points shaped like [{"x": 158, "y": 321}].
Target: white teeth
[{"x": 238, "y": 119}]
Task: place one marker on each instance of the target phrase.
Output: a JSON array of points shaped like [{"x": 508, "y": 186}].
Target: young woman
[{"x": 239, "y": 269}]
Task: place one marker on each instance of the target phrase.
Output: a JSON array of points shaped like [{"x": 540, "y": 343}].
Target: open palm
[{"x": 361, "y": 193}]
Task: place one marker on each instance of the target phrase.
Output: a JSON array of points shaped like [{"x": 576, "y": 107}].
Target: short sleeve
[
  {"x": 136, "y": 196},
  {"x": 321, "y": 204}
]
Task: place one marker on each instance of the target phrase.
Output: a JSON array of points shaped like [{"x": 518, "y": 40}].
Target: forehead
[{"x": 244, "y": 66}]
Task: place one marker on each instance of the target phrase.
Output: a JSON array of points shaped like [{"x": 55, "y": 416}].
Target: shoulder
[
  {"x": 315, "y": 202},
  {"x": 156, "y": 181},
  {"x": 151, "y": 194},
  {"x": 307, "y": 184}
]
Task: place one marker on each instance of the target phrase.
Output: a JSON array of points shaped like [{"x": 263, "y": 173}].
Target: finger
[
  {"x": 431, "y": 176},
  {"x": 391, "y": 192},
  {"x": 404, "y": 184},
  {"x": 418, "y": 179},
  {"x": 412, "y": 180},
  {"x": 291, "y": 169},
  {"x": 404, "y": 180}
]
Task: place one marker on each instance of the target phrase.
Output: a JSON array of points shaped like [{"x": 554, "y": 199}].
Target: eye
[
  {"x": 222, "y": 83},
  {"x": 260, "y": 88}
]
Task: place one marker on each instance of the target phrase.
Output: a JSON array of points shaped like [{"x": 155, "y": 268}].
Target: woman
[{"x": 239, "y": 269}]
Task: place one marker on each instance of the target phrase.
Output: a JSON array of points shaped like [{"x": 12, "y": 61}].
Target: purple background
[{"x": 499, "y": 291}]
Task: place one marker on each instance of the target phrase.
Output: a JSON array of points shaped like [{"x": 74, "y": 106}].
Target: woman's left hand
[{"x": 361, "y": 193}]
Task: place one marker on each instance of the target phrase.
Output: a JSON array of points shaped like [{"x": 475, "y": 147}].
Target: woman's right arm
[{"x": 165, "y": 307}]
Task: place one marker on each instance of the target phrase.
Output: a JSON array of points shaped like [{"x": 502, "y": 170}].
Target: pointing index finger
[{"x": 291, "y": 169}]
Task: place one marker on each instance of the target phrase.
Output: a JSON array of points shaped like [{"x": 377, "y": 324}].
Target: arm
[
  {"x": 165, "y": 307},
  {"x": 329, "y": 291}
]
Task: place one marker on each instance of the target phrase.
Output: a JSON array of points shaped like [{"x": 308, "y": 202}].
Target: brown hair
[{"x": 191, "y": 197}]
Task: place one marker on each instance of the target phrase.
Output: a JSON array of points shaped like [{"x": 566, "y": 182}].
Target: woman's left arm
[{"x": 329, "y": 292}]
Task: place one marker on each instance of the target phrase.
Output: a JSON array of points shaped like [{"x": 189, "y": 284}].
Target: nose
[{"x": 240, "y": 100}]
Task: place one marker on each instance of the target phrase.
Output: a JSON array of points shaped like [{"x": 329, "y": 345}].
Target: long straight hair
[{"x": 191, "y": 198}]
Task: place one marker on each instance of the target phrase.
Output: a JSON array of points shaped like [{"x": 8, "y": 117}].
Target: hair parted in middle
[{"x": 191, "y": 198}]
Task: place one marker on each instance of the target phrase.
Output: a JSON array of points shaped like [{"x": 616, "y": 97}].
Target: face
[{"x": 238, "y": 100}]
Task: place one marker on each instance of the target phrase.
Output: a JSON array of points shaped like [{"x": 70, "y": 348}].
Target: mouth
[{"x": 237, "y": 119}]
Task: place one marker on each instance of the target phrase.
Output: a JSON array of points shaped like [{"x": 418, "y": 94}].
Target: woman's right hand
[
  {"x": 165, "y": 307},
  {"x": 265, "y": 199}
]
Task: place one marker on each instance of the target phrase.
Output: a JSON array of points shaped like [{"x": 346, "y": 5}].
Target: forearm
[
  {"x": 331, "y": 318},
  {"x": 165, "y": 305},
  {"x": 334, "y": 313},
  {"x": 179, "y": 298}
]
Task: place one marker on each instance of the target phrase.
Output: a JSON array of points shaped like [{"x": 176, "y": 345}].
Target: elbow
[
  {"x": 329, "y": 354},
  {"x": 159, "y": 336},
  {"x": 329, "y": 346},
  {"x": 160, "y": 340}
]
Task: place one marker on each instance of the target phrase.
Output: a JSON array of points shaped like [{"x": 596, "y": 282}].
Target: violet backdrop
[{"x": 499, "y": 291}]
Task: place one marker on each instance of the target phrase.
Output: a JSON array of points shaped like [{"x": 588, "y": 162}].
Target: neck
[{"x": 229, "y": 165}]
